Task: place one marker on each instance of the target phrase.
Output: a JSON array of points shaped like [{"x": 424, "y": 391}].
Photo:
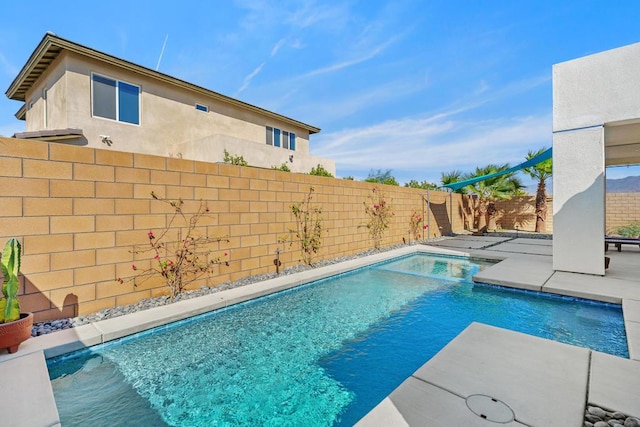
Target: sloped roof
[{"x": 52, "y": 45}]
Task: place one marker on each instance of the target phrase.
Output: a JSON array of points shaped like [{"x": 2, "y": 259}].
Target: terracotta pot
[{"x": 12, "y": 334}]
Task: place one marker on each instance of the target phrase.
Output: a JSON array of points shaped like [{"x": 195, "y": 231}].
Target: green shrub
[
  {"x": 283, "y": 167},
  {"x": 380, "y": 177},
  {"x": 234, "y": 160},
  {"x": 320, "y": 171},
  {"x": 379, "y": 215},
  {"x": 309, "y": 229},
  {"x": 630, "y": 230},
  {"x": 422, "y": 184}
]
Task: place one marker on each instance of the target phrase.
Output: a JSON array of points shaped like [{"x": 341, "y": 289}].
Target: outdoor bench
[{"x": 619, "y": 241}]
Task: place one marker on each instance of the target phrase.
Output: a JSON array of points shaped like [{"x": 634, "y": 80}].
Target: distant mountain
[{"x": 629, "y": 184}]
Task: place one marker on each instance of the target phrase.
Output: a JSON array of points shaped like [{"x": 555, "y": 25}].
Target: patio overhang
[{"x": 622, "y": 143}]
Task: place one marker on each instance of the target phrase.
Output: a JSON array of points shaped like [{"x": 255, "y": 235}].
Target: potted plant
[{"x": 15, "y": 327}]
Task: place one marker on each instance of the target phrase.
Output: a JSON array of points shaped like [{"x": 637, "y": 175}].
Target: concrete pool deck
[{"x": 526, "y": 263}]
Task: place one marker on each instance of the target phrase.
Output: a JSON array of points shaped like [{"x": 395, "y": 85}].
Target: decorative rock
[
  {"x": 592, "y": 418},
  {"x": 618, "y": 416},
  {"x": 588, "y": 424},
  {"x": 601, "y": 424},
  {"x": 598, "y": 412},
  {"x": 615, "y": 423},
  {"x": 632, "y": 422}
]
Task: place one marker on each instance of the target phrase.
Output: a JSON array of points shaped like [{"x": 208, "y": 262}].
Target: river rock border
[{"x": 596, "y": 416}]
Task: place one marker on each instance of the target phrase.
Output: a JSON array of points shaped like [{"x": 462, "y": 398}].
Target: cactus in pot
[{"x": 10, "y": 264}]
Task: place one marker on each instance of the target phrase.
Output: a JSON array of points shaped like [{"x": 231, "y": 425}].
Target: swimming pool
[{"x": 321, "y": 354}]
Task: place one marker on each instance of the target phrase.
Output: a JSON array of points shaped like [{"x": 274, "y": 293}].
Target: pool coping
[{"x": 36, "y": 350}]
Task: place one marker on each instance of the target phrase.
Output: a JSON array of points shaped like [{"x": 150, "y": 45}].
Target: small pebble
[{"x": 598, "y": 412}]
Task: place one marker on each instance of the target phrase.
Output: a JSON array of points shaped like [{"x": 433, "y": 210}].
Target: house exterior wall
[
  {"x": 169, "y": 121},
  {"x": 588, "y": 93},
  {"x": 81, "y": 212},
  {"x": 597, "y": 89},
  {"x": 55, "y": 106},
  {"x": 579, "y": 201}
]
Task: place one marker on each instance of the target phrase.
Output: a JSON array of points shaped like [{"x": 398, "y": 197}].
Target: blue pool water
[{"x": 322, "y": 354}]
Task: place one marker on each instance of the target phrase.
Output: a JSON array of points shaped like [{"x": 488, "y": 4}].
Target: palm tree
[
  {"x": 451, "y": 177},
  {"x": 492, "y": 189},
  {"x": 540, "y": 172}
]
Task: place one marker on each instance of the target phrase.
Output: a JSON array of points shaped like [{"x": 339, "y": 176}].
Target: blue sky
[{"x": 418, "y": 87}]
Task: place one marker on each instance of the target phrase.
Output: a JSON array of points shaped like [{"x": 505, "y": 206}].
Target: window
[
  {"x": 115, "y": 99},
  {"x": 281, "y": 138},
  {"x": 292, "y": 141},
  {"x": 269, "y": 136},
  {"x": 201, "y": 107},
  {"x": 276, "y": 137}
]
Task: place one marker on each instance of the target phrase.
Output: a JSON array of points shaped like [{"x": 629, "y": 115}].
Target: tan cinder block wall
[
  {"x": 521, "y": 212},
  {"x": 79, "y": 213},
  {"x": 622, "y": 209}
]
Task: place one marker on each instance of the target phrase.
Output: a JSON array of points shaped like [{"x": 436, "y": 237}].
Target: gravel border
[{"x": 43, "y": 328}]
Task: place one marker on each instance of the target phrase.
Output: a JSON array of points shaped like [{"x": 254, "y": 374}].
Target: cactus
[{"x": 10, "y": 264}]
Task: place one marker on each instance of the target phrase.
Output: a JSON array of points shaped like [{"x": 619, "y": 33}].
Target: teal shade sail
[{"x": 538, "y": 159}]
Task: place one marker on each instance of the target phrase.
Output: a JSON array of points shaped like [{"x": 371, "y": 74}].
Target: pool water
[{"x": 321, "y": 354}]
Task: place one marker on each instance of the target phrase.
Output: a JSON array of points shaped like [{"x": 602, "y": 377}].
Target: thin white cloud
[
  {"x": 435, "y": 144},
  {"x": 482, "y": 87},
  {"x": 248, "y": 78},
  {"x": 351, "y": 62},
  {"x": 277, "y": 46},
  {"x": 327, "y": 111},
  {"x": 312, "y": 14},
  {"x": 262, "y": 15}
]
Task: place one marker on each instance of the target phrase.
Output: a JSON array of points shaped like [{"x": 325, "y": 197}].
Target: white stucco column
[{"x": 579, "y": 200}]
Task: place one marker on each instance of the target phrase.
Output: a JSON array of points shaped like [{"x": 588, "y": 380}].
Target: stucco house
[{"x": 77, "y": 95}]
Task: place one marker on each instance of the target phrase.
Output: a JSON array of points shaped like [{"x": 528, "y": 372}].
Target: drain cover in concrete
[{"x": 490, "y": 409}]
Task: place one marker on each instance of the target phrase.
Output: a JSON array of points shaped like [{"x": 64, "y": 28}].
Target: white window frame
[{"x": 117, "y": 119}]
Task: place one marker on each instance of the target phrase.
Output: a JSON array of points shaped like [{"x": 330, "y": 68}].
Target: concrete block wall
[
  {"x": 521, "y": 212},
  {"x": 80, "y": 212},
  {"x": 622, "y": 209}
]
